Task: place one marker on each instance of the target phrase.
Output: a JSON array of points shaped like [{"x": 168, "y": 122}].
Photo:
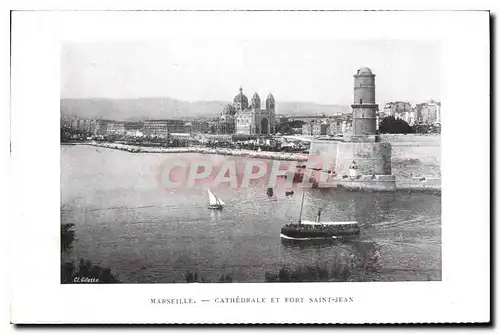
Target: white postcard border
[{"x": 38, "y": 297}]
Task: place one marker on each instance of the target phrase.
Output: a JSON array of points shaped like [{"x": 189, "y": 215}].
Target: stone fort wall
[{"x": 371, "y": 158}]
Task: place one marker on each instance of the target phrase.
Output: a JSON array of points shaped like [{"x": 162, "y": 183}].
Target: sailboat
[
  {"x": 214, "y": 202},
  {"x": 312, "y": 230}
]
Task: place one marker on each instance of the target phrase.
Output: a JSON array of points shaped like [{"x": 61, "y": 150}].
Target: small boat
[
  {"x": 314, "y": 230},
  {"x": 214, "y": 202}
]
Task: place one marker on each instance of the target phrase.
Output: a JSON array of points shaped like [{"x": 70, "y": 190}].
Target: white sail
[{"x": 213, "y": 200}]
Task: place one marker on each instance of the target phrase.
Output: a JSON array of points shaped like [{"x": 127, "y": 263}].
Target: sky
[{"x": 213, "y": 70}]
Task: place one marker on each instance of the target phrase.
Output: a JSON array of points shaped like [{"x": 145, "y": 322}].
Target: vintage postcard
[{"x": 251, "y": 167}]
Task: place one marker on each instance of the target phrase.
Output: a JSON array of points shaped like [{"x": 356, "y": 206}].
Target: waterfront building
[
  {"x": 307, "y": 129},
  {"x": 156, "y": 128},
  {"x": 81, "y": 125},
  {"x": 428, "y": 112},
  {"x": 347, "y": 127},
  {"x": 335, "y": 127},
  {"x": 213, "y": 126},
  {"x": 178, "y": 126},
  {"x": 438, "y": 112},
  {"x": 319, "y": 129},
  {"x": 74, "y": 124},
  {"x": 407, "y": 116},
  {"x": 101, "y": 127},
  {"x": 200, "y": 126},
  {"x": 249, "y": 118},
  {"x": 133, "y": 126},
  {"x": 115, "y": 129},
  {"x": 65, "y": 122},
  {"x": 134, "y": 133},
  {"x": 225, "y": 127},
  {"x": 431, "y": 112},
  {"x": 227, "y": 121},
  {"x": 90, "y": 125},
  {"x": 133, "y": 129},
  {"x": 164, "y": 127},
  {"x": 397, "y": 107}
]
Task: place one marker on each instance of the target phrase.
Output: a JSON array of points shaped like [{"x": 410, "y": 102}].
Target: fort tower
[
  {"x": 361, "y": 161},
  {"x": 364, "y": 107}
]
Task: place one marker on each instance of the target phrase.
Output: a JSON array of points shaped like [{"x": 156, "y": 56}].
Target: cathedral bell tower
[
  {"x": 270, "y": 102},
  {"x": 256, "y": 101}
]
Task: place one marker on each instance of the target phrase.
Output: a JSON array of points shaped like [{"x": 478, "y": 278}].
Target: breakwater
[{"x": 285, "y": 156}]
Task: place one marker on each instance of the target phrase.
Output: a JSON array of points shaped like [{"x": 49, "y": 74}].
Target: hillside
[{"x": 157, "y": 108}]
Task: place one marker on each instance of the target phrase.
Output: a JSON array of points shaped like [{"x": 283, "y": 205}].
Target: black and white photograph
[
  {"x": 252, "y": 161},
  {"x": 341, "y": 153}
]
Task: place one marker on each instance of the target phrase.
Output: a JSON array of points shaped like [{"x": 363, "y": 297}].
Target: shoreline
[
  {"x": 284, "y": 156},
  {"x": 406, "y": 185}
]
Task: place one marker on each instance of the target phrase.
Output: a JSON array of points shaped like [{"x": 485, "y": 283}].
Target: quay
[{"x": 284, "y": 156}]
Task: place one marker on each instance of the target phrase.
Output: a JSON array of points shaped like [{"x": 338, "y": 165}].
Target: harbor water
[{"x": 128, "y": 220}]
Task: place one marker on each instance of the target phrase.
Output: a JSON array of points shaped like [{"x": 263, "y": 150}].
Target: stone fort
[{"x": 360, "y": 161}]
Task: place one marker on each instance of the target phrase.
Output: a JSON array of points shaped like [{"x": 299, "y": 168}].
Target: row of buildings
[
  {"x": 423, "y": 113},
  {"x": 106, "y": 128},
  {"x": 340, "y": 125},
  {"x": 428, "y": 113},
  {"x": 249, "y": 118},
  {"x": 240, "y": 117}
]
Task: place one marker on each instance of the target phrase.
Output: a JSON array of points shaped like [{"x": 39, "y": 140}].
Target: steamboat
[{"x": 318, "y": 230}]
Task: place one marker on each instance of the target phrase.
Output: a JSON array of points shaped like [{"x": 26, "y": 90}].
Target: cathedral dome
[{"x": 241, "y": 99}]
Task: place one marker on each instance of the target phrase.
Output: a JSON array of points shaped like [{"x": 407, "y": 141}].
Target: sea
[{"x": 128, "y": 219}]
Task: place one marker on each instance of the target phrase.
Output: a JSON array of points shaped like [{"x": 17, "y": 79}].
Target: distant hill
[{"x": 158, "y": 108}]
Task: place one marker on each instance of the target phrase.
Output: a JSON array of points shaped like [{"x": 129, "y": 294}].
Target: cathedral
[{"x": 242, "y": 117}]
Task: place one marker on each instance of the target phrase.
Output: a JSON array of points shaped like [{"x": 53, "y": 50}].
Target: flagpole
[{"x": 301, "y": 206}]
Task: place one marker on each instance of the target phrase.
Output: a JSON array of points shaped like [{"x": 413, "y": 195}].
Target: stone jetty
[{"x": 285, "y": 156}]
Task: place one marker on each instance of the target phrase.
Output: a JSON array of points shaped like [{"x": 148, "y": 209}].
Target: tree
[
  {"x": 287, "y": 127},
  {"x": 391, "y": 125},
  {"x": 70, "y": 273},
  {"x": 284, "y": 128},
  {"x": 67, "y": 236}
]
